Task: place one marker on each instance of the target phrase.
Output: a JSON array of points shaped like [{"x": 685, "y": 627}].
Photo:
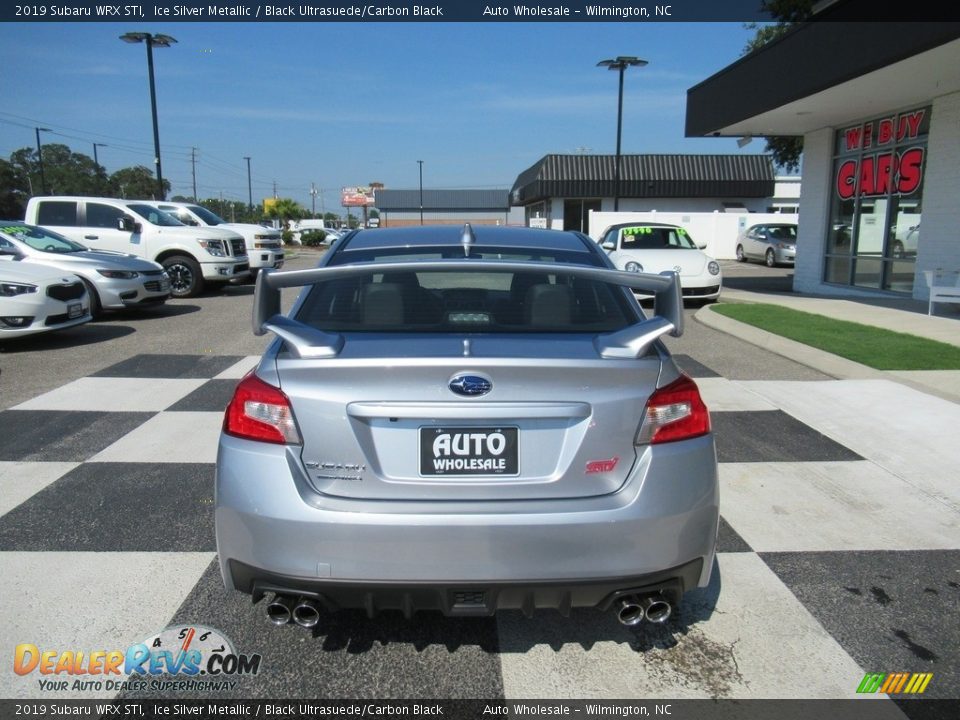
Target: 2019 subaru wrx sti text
[{"x": 466, "y": 420}]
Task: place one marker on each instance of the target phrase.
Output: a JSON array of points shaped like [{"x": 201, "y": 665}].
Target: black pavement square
[
  {"x": 170, "y": 366},
  {"x": 348, "y": 655},
  {"x": 693, "y": 368},
  {"x": 892, "y": 611},
  {"x": 62, "y": 435},
  {"x": 728, "y": 540},
  {"x": 212, "y": 395},
  {"x": 117, "y": 507},
  {"x": 772, "y": 436}
]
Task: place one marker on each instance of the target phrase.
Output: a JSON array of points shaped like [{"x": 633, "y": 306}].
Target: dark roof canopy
[
  {"x": 443, "y": 200},
  {"x": 645, "y": 176}
]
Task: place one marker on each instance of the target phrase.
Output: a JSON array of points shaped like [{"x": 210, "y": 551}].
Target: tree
[
  {"x": 65, "y": 172},
  {"x": 285, "y": 210},
  {"x": 786, "y": 149},
  {"x": 13, "y": 191},
  {"x": 136, "y": 183}
]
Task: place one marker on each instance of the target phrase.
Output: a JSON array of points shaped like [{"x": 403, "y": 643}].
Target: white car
[
  {"x": 114, "y": 280},
  {"x": 657, "y": 247},
  {"x": 35, "y": 299}
]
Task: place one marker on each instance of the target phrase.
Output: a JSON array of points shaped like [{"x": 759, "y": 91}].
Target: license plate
[
  {"x": 74, "y": 310},
  {"x": 469, "y": 451}
]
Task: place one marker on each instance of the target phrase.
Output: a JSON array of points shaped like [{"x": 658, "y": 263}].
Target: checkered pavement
[{"x": 839, "y": 553}]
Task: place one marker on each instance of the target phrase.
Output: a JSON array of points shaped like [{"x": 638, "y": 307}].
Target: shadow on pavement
[{"x": 86, "y": 334}]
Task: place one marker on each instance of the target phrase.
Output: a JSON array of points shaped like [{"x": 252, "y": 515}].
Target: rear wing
[{"x": 307, "y": 342}]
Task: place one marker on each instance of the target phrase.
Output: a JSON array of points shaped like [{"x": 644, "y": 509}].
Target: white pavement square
[
  {"x": 239, "y": 369},
  {"x": 19, "y": 481},
  {"x": 110, "y": 394},
  {"x": 87, "y": 601},
  {"x": 814, "y": 506},
  {"x": 737, "y": 649},
  {"x": 721, "y": 394},
  {"x": 916, "y": 439},
  {"x": 184, "y": 437}
]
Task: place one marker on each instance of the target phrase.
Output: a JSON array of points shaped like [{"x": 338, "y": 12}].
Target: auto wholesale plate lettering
[{"x": 458, "y": 451}]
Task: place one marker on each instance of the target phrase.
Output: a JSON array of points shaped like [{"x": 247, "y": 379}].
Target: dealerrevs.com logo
[{"x": 181, "y": 657}]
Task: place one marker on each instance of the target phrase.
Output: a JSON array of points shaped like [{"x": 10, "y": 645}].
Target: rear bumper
[{"x": 274, "y": 532}]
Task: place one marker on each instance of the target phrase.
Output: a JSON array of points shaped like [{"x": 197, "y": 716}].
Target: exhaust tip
[
  {"x": 630, "y": 612},
  {"x": 306, "y": 613},
  {"x": 279, "y": 610},
  {"x": 657, "y": 610}
]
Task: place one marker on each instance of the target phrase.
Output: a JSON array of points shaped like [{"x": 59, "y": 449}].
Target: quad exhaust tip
[
  {"x": 303, "y": 611},
  {"x": 306, "y": 613},
  {"x": 280, "y": 610},
  {"x": 633, "y": 610}
]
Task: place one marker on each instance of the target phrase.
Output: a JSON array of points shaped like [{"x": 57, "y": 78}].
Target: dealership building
[
  {"x": 445, "y": 207},
  {"x": 878, "y": 107}
]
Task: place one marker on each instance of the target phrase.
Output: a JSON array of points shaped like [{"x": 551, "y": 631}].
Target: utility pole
[
  {"x": 249, "y": 186},
  {"x": 274, "y": 189},
  {"x": 193, "y": 171},
  {"x": 313, "y": 199}
]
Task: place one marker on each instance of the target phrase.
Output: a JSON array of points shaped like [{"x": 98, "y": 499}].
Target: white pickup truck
[
  {"x": 192, "y": 256},
  {"x": 264, "y": 245}
]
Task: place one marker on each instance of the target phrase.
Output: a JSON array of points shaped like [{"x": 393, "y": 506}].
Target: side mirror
[
  {"x": 10, "y": 254},
  {"x": 127, "y": 224},
  {"x": 702, "y": 246},
  {"x": 609, "y": 245}
]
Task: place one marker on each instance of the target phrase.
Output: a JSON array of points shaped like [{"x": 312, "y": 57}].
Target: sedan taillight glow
[
  {"x": 259, "y": 411},
  {"x": 674, "y": 412}
]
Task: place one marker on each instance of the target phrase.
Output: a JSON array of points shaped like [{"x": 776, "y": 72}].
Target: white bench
[{"x": 944, "y": 287}]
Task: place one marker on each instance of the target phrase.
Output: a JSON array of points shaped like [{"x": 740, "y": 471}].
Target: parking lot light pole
[
  {"x": 620, "y": 64},
  {"x": 420, "y": 163},
  {"x": 160, "y": 41},
  {"x": 43, "y": 178},
  {"x": 249, "y": 186}
]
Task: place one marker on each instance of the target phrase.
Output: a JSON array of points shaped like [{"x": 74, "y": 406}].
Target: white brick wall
[
  {"x": 814, "y": 211},
  {"x": 940, "y": 229}
]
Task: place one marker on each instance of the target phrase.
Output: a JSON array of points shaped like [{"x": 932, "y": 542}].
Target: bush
[
  {"x": 313, "y": 238},
  {"x": 287, "y": 236}
]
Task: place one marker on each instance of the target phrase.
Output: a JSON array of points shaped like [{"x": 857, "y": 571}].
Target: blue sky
[{"x": 348, "y": 104}]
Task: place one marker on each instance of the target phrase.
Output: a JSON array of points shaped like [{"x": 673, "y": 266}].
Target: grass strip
[{"x": 872, "y": 346}]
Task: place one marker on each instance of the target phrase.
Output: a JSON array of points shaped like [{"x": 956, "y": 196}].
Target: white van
[
  {"x": 264, "y": 245},
  {"x": 191, "y": 256}
]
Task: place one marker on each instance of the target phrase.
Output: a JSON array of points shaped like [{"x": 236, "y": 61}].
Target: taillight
[
  {"x": 674, "y": 412},
  {"x": 259, "y": 411}
]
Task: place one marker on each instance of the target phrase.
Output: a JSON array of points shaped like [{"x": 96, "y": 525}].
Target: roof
[
  {"x": 837, "y": 72},
  {"x": 450, "y": 235},
  {"x": 645, "y": 176},
  {"x": 442, "y": 200}
]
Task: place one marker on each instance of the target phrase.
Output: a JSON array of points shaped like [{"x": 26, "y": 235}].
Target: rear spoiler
[{"x": 308, "y": 342}]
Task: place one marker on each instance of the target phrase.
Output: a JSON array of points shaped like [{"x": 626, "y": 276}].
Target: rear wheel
[
  {"x": 186, "y": 279},
  {"x": 771, "y": 259},
  {"x": 741, "y": 257}
]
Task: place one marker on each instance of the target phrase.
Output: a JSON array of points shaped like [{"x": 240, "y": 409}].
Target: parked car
[
  {"x": 774, "y": 243},
  {"x": 264, "y": 245},
  {"x": 301, "y": 227},
  {"x": 655, "y": 248},
  {"x": 36, "y": 299},
  {"x": 466, "y": 421},
  {"x": 191, "y": 256},
  {"x": 114, "y": 280}
]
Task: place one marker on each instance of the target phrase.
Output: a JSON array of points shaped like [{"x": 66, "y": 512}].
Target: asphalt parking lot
[{"x": 837, "y": 555}]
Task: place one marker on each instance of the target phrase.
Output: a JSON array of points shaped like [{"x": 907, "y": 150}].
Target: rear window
[{"x": 473, "y": 302}]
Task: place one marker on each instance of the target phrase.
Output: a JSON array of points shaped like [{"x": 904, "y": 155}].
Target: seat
[
  {"x": 549, "y": 306},
  {"x": 382, "y": 304},
  {"x": 511, "y": 311}
]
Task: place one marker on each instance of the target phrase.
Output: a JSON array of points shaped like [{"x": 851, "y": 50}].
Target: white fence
[{"x": 718, "y": 230}]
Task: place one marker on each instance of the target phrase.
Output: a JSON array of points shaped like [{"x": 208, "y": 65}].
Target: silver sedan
[
  {"x": 114, "y": 280},
  {"x": 773, "y": 243},
  {"x": 467, "y": 421}
]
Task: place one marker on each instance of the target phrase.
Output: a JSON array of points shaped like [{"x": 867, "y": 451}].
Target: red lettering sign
[{"x": 881, "y": 173}]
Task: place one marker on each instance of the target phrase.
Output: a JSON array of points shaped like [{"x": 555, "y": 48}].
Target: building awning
[
  {"x": 443, "y": 200},
  {"x": 645, "y": 176},
  {"x": 828, "y": 73}
]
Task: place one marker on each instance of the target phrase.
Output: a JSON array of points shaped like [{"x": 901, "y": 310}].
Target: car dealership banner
[{"x": 356, "y": 197}]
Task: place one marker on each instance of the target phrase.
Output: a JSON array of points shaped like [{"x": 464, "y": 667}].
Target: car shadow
[
  {"x": 86, "y": 334},
  {"x": 151, "y": 312},
  {"x": 352, "y": 631}
]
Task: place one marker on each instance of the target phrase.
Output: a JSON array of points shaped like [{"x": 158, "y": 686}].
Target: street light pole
[
  {"x": 43, "y": 178},
  {"x": 420, "y": 163},
  {"x": 96, "y": 161},
  {"x": 160, "y": 41},
  {"x": 620, "y": 64}
]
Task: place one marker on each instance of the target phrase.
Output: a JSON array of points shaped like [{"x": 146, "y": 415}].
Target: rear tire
[
  {"x": 741, "y": 257},
  {"x": 771, "y": 259},
  {"x": 186, "y": 279}
]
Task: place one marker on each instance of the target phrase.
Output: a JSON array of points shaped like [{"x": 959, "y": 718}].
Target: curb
[{"x": 827, "y": 363}]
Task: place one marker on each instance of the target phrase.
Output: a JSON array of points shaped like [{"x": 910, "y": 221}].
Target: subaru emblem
[{"x": 470, "y": 385}]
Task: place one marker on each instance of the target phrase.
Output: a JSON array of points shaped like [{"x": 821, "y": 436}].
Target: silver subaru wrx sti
[{"x": 466, "y": 420}]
